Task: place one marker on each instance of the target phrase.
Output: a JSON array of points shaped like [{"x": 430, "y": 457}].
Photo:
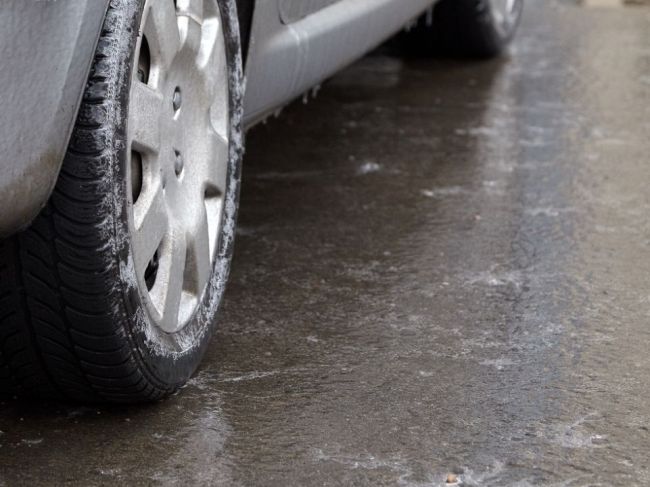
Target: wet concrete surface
[{"x": 441, "y": 267}]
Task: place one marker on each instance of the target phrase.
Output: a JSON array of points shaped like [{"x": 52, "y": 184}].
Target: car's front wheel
[{"x": 111, "y": 294}]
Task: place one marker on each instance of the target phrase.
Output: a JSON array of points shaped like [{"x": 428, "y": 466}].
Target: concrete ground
[{"x": 442, "y": 268}]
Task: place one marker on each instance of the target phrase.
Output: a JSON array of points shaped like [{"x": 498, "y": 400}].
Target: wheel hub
[{"x": 178, "y": 137}]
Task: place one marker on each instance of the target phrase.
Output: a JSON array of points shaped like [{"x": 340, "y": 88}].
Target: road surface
[{"x": 442, "y": 268}]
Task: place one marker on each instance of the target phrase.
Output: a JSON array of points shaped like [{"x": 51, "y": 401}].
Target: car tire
[
  {"x": 78, "y": 319},
  {"x": 465, "y": 28}
]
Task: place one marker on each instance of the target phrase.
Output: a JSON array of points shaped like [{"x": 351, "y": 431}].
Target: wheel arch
[{"x": 46, "y": 49}]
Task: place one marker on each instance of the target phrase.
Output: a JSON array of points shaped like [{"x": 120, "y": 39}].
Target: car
[{"x": 122, "y": 132}]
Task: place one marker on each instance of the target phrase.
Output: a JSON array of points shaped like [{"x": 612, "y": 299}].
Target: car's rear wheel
[
  {"x": 111, "y": 294},
  {"x": 474, "y": 28}
]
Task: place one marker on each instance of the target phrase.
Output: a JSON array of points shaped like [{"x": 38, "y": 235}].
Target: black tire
[
  {"x": 462, "y": 28},
  {"x": 72, "y": 323}
]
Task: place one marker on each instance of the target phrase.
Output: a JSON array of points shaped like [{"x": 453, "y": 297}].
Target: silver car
[{"x": 122, "y": 134}]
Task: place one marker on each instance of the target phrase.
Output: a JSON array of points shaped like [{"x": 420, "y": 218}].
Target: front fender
[{"x": 46, "y": 50}]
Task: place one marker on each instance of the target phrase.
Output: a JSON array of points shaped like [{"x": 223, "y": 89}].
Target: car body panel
[
  {"x": 47, "y": 47},
  {"x": 46, "y": 50},
  {"x": 284, "y": 60},
  {"x": 292, "y": 11}
]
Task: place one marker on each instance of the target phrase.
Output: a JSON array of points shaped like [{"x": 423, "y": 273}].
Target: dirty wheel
[
  {"x": 111, "y": 294},
  {"x": 474, "y": 28}
]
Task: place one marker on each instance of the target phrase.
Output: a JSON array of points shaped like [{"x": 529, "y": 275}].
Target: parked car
[{"x": 122, "y": 136}]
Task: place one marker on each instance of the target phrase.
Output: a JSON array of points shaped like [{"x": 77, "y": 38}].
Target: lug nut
[{"x": 176, "y": 99}]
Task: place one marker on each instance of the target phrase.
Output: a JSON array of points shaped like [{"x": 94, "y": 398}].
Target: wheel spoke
[
  {"x": 169, "y": 282},
  {"x": 151, "y": 222},
  {"x": 190, "y": 24},
  {"x": 217, "y": 162},
  {"x": 190, "y": 8},
  {"x": 161, "y": 30},
  {"x": 198, "y": 267},
  {"x": 212, "y": 55},
  {"x": 144, "y": 116}
]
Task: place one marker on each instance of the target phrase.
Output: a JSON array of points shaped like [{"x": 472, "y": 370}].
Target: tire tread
[{"x": 59, "y": 334}]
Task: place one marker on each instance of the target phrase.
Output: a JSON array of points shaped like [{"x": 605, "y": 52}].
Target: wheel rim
[
  {"x": 178, "y": 158},
  {"x": 505, "y": 13}
]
